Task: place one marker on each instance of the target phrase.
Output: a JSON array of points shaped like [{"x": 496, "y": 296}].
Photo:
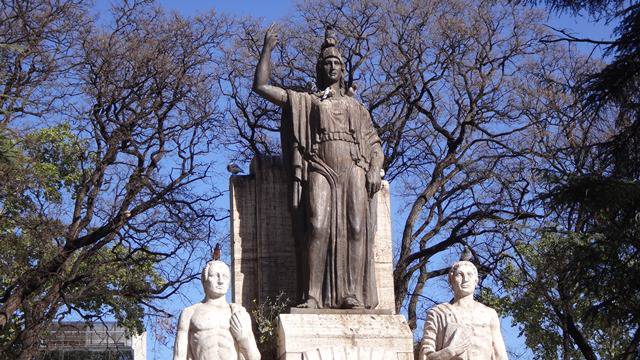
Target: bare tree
[
  {"x": 449, "y": 97},
  {"x": 142, "y": 119}
]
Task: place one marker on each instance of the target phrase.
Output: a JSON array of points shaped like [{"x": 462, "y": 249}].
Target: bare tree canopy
[
  {"x": 496, "y": 134},
  {"x": 105, "y": 197}
]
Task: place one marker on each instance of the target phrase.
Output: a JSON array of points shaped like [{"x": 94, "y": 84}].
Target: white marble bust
[
  {"x": 464, "y": 329},
  {"x": 215, "y": 329}
]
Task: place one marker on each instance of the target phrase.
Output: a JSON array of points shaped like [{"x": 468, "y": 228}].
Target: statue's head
[
  {"x": 216, "y": 277},
  {"x": 463, "y": 278},
  {"x": 330, "y": 65}
]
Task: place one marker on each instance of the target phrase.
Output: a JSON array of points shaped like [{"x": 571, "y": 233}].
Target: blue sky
[{"x": 278, "y": 11}]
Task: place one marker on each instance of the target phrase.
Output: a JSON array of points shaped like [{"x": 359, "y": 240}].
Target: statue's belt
[{"x": 336, "y": 136}]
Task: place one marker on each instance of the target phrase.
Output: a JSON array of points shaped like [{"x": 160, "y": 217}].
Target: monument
[
  {"x": 214, "y": 329},
  {"x": 315, "y": 223},
  {"x": 333, "y": 156},
  {"x": 464, "y": 329}
]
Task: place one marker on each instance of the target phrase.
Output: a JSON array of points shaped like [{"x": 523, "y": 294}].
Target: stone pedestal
[
  {"x": 262, "y": 244},
  {"x": 344, "y": 336},
  {"x": 263, "y": 265}
]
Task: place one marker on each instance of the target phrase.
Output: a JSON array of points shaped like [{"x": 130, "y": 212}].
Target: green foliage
[
  {"x": 40, "y": 168},
  {"x": 112, "y": 281},
  {"x": 579, "y": 278},
  {"x": 266, "y": 318},
  {"x": 55, "y": 155}
]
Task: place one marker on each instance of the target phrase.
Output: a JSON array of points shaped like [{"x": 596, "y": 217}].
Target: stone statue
[
  {"x": 214, "y": 329},
  {"x": 334, "y": 160},
  {"x": 464, "y": 329}
]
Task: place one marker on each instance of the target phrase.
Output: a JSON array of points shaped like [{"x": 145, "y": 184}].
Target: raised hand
[{"x": 271, "y": 37}]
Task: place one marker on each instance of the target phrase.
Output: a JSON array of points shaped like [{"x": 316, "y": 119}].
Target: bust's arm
[
  {"x": 428, "y": 346},
  {"x": 181, "y": 346},
  {"x": 499, "y": 350},
  {"x": 261, "y": 85},
  {"x": 243, "y": 334},
  {"x": 428, "y": 342}
]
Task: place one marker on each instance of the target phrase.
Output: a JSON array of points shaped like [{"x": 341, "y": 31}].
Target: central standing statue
[{"x": 334, "y": 158}]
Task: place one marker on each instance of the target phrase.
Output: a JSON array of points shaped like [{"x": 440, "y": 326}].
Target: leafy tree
[
  {"x": 578, "y": 270},
  {"x": 576, "y": 289}
]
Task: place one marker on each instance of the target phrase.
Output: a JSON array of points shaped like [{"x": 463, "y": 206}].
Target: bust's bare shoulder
[
  {"x": 185, "y": 317},
  {"x": 237, "y": 308},
  {"x": 189, "y": 310}
]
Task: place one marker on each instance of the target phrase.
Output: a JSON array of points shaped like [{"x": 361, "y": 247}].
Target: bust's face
[
  {"x": 464, "y": 280},
  {"x": 217, "y": 282},
  {"x": 332, "y": 67}
]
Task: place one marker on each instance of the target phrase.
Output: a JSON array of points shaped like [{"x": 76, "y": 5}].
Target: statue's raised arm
[{"x": 261, "y": 85}]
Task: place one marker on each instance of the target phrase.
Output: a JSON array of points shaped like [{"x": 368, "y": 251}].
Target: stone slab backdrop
[{"x": 263, "y": 250}]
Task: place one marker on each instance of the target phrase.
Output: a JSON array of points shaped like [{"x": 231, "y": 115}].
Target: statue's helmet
[{"x": 328, "y": 50}]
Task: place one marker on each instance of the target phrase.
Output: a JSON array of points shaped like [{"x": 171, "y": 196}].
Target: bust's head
[
  {"x": 463, "y": 278},
  {"x": 215, "y": 279}
]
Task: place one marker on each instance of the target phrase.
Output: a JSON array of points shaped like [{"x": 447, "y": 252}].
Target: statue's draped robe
[
  {"x": 301, "y": 135},
  {"x": 443, "y": 329}
]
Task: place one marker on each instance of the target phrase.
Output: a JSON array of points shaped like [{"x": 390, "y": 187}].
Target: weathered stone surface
[
  {"x": 344, "y": 336},
  {"x": 263, "y": 248},
  {"x": 295, "y": 310},
  {"x": 353, "y": 353},
  {"x": 263, "y": 253},
  {"x": 382, "y": 250}
]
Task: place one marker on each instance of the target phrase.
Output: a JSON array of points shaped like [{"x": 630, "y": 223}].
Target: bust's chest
[
  {"x": 475, "y": 319},
  {"x": 208, "y": 319}
]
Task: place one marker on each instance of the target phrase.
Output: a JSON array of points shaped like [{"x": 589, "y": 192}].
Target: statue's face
[
  {"x": 332, "y": 67},
  {"x": 216, "y": 283},
  {"x": 464, "y": 280}
]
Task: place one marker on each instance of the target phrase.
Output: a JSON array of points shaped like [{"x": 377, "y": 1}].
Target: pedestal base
[{"x": 344, "y": 337}]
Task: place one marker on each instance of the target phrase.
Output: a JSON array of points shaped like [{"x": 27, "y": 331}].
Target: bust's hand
[
  {"x": 374, "y": 181},
  {"x": 240, "y": 325},
  {"x": 270, "y": 38},
  {"x": 463, "y": 333}
]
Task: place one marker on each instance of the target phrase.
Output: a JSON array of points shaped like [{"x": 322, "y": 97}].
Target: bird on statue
[
  {"x": 217, "y": 252},
  {"x": 466, "y": 255},
  {"x": 234, "y": 169}
]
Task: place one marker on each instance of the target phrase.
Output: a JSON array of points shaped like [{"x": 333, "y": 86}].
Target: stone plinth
[
  {"x": 344, "y": 336},
  {"x": 263, "y": 248}
]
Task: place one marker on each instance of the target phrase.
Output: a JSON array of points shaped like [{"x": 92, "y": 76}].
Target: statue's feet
[
  {"x": 309, "y": 304},
  {"x": 352, "y": 303}
]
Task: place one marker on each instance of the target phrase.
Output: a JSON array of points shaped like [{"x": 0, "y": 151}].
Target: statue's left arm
[
  {"x": 376, "y": 158},
  {"x": 499, "y": 350},
  {"x": 243, "y": 335}
]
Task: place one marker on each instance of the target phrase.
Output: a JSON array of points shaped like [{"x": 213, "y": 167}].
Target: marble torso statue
[{"x": 214, "y": 329}]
